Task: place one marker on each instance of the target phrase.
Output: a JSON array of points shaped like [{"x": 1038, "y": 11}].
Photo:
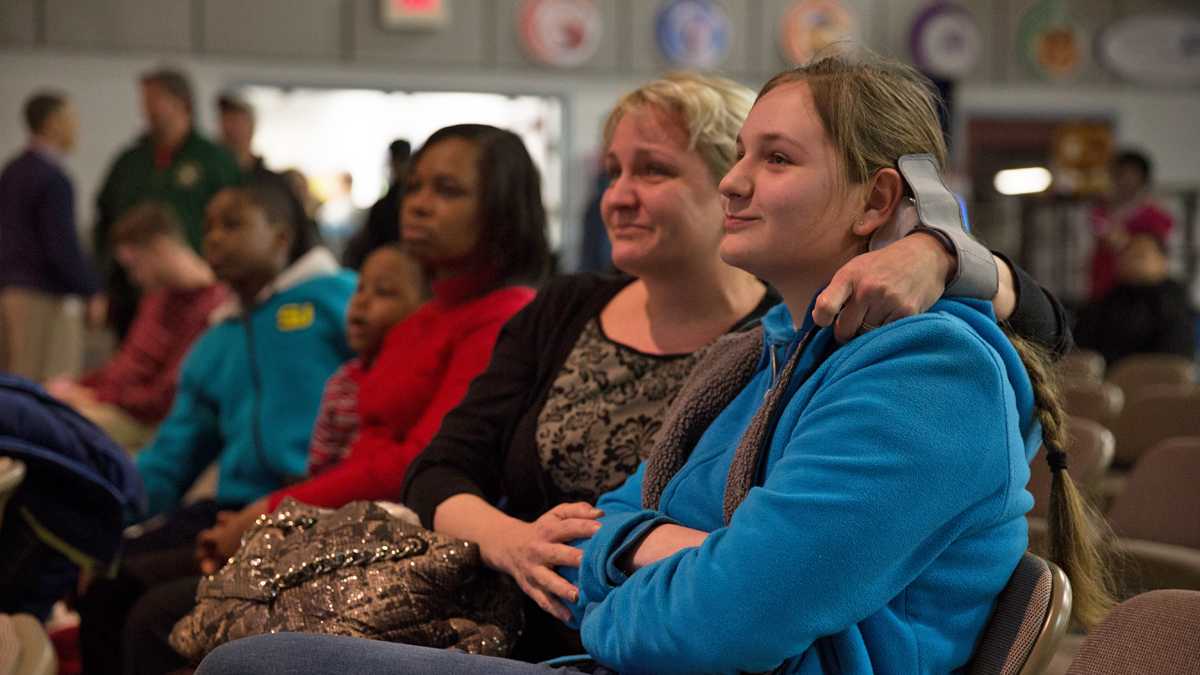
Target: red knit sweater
[{"x": 422, "y": 371}]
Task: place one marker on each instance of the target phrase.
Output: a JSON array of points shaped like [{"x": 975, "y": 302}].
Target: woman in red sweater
[{"x": 473, "y": 215}]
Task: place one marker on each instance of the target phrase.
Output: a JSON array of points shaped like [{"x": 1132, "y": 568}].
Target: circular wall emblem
[
  {"x": 693, "y": 33},
  {"x": 810, "y": 26},
  {"x": 946, "y": 41},
  {"x": 1048, "y": 43},
  {"x": 561, "y": 33},
  {"x": 1153, "y": 48}
]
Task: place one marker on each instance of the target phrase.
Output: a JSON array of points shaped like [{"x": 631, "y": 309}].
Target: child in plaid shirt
[{"x": 390, "y": 286}]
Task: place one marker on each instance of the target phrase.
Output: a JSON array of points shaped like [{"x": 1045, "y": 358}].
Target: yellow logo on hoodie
[{"x": 295, "y": 316}]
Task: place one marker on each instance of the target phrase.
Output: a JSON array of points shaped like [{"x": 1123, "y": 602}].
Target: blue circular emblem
[{"x": 693, "y": 33}]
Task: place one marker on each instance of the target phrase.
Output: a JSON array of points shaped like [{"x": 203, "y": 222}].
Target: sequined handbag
[{"x": 357, "y": 571}]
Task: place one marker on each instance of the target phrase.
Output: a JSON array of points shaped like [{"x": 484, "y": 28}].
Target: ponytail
[{"x": 1076, "y": 530}]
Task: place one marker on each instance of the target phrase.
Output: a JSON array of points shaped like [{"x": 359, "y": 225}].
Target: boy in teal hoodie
[
  {"x": 248, "y": 394},
  {"x": 250, "y": 388}
]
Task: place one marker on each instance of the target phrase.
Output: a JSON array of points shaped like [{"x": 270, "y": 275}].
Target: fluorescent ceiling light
[{"x": 1022, "y": 181}]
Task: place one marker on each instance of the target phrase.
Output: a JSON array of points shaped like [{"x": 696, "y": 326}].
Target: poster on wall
[
  {"x": 414, "y": 14},
  {"x": 945, "y": 40},
  {"x": 560, "y": 33},
  {"x": 692, "y": 33},
  {"x": 1079, "y": 158},
  {"x": 1161, "y": 49},
  {"x": 810, "y": 26},
  {"x": 1050, "y": 45}
]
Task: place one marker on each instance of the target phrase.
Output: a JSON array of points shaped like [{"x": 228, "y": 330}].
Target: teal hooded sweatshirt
[
  {"x": 250, "y": 387},
  {"x": 889, "y": 516}
]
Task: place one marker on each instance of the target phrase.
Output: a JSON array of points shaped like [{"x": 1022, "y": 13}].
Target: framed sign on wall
[{"x": 414, "y": 14}]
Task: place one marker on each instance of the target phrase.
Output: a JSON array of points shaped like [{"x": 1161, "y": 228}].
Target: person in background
[
  {"x": 1146, "y": 312},
  {"x": 1130, "y": 211},
  {"x": 42, "y": 264},
  {"x": 595, "y": 250},
  {"x": 297, "y": 182},
  {"x": 338, "y": 217},
  {"x": 237, "y": 120},
  {"x": 247, "y": 397},
  {"x": 171, "y": 163},
  {"x": 130, "y": 394},
  {"x": 382, "y": 225}
]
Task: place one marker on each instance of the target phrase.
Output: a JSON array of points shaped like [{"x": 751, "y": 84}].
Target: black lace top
[{"x": 604, "y": 411}]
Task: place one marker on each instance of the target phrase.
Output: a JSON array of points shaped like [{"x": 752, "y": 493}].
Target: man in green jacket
[{"x": 170, "y": 163}]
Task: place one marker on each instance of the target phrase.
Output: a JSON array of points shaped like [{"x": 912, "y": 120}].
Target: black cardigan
[{"x": 486, "y": 445}]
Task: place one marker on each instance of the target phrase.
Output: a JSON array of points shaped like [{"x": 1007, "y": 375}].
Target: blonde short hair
[{"x": 711, "y": 108}]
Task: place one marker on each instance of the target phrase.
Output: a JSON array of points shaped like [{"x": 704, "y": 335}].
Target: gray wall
[
  {"x": 481, "y": 34},
  {"x": 93, "y": 49}
]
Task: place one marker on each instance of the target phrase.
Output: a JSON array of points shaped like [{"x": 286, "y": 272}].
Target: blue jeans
[{"x": 301, "y": 653}]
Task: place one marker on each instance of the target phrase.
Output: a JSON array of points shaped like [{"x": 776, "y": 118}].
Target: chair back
[
  {"x": 1030, "y": 618},
  {"x": 1089, "y": 454},
  {"x": 37, "y": 655},
  {"x": 1081, "y": 364},
  {"x": 1161, "y": 501},
  {"x": 1139, "y": 371},
  {"x": 1154, "y": 415},
  {"x": 12, "y": 472},
  {"x": 1154, "y": 632},
  {"x": 1093, "y": 400}
]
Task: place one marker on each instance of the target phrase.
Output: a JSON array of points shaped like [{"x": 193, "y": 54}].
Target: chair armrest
[{"x": 1149, "y": 565}]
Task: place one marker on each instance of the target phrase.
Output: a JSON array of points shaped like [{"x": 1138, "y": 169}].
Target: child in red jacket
[{"x": 390, "y": 287}]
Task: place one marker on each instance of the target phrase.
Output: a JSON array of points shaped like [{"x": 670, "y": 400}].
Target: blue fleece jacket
[
  {"x": 889, "y": 516},
  {"x": 248, "y": 394}
]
